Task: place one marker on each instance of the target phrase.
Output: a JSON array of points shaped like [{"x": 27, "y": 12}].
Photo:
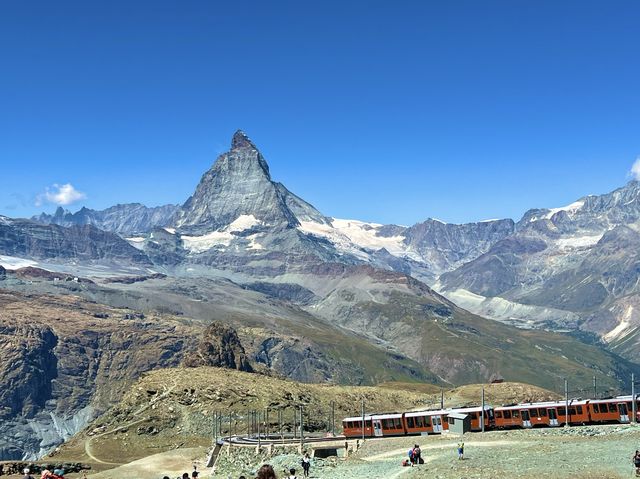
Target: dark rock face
[
  {"x": 29, "y": 239},
  {"x": 219, "y": 347},
  {"x": 239, "y": 183},
  {"x": 124, "y": 219},
  {"x": 28, "y": 366},
  {"x": 61, "y": 365},
  {"x": 3, "y": 273}
]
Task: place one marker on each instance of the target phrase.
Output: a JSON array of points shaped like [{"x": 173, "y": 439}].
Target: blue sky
[{"x": 382, "y": 111}]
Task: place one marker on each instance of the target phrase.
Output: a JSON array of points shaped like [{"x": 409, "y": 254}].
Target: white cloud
[
  {"x": 635, "y": 169},
  {"x": 60, "y": 195}
]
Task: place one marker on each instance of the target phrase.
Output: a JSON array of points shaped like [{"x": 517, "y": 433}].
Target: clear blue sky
[{"x": 382, "y": 111}]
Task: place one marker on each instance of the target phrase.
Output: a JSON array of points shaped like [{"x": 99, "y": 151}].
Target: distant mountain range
[{"x": 317, "y": 298}]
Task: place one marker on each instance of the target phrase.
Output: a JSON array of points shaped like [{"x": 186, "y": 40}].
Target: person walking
[{"x": 306, "y": 464}]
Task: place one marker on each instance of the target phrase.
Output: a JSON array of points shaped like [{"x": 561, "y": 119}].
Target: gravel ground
[{"x": 587, "y": 452}]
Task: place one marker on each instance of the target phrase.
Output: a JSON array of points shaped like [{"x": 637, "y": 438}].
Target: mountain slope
[
  {"x": 28, "y": 239},
  {"x": 124, "y": 219},
  {"x": 580, "y": 263}
]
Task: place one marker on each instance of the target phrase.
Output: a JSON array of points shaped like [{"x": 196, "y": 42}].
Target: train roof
[
  {"x": 387, "y": 416},
  {"x": 357, "y": 418},
  {"x": 432, "y": 412},
  {"x": 615, "y": 399},
  {"x": 572, "y": 402},
  {"x": 471, "y": 409}
]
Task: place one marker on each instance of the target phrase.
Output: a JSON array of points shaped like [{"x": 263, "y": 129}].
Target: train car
[
  {"x": 541, "y": 414},
  {"x": 388, "y": 425},
  {"x": 426, "y": 422},
  {"x": 476, "y": 413},
  {"x": 612, "y": 410},
  {"x": 352, "y": 426}
]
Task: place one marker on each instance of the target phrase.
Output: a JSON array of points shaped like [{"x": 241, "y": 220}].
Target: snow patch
[
  {"x": 171, "y": 231},
  {"x": 571, "y": 209},
  {"x": 351, "y": 235},
  {"x": 243, "y": 222},
  {"x": 137, "y": 242},
  {"x": 253, "y": 244},
  {"x": 578, "y": 241},
  {"x": 200, "y": 244},
  {"x": 13, "y": 262},
  {"x": 622, "y": 328}
]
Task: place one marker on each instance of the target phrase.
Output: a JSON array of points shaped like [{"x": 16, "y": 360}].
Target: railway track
[{"x": 278, "y": 440}]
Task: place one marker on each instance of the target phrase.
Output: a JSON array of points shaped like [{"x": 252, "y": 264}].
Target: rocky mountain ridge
[{"x": 127, "y": 219}]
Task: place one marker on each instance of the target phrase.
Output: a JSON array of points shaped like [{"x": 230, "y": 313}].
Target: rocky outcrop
[
  {"x": 126, "y": 219},
  {"x": 3, "y": 273},
  {"x": 219, "y": 347}
]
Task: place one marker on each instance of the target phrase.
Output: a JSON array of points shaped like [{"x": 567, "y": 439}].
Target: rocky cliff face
[
  {"x": 127, "y": 219},
  {"x": 445, "y": 247},
  {"x": 28, "y": 239}
]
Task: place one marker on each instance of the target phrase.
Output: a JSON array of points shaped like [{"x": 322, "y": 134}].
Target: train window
[
  {"x": 533, "y": 412},
  {"x": 516, "y": 414},
  {"x": 427, "y": 422},
  {"x": 572, "y": 411},
  {"x": 596, "y": 408},
  {"x": 543, "y": 412},
  {"x": 507, "y": 414},
  {"x": 612, "y": 407},
  {"x": 398, "y": 423},
  {"x": 579, "y": 409},
  {"x": 419, "y": 422},
  {"x": 473, "y": 416},
  {"x": 629, "y": 406},
  {"x": 499, "y": 414},
  {"x": 409, "y": 422}
]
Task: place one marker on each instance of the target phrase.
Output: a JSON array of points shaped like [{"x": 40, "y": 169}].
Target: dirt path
[{"x": 88, "y": 440}]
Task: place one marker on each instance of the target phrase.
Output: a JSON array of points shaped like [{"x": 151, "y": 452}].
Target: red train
[{"x": 525, "y": 415}]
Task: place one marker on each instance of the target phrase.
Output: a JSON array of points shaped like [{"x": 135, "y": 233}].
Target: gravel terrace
[{"x": 587, "y": 452}]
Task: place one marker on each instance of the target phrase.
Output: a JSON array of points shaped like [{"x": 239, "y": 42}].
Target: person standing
[
  {"x": 306, "y": 464},
  {"x": 461, "y": 451},
  {"x": 27, "y": 474},
  {"x": 417, "y": 455}
]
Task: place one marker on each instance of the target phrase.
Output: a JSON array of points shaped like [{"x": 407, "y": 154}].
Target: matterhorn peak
[
  {"x": 239, "y": 185},
  {"x": 241, "y": 140}
]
